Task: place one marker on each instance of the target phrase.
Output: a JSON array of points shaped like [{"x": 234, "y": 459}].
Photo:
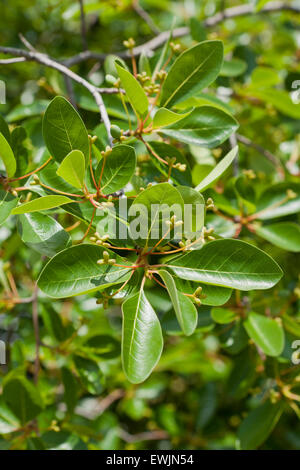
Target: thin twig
[
  {"x": 266, "y": 153},
  {"x": 49, "y": 62},
  {"x": 159, "y": 40},
  {"x": 143, "y": 436},
  {"x": 145, "y": 16}
]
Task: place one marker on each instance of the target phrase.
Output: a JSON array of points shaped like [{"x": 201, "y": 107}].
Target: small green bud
[{"x": 115, "y": 131}]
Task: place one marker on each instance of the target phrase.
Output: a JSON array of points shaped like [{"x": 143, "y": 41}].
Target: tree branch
[
  {"x": 145, "y": 16},
  {"x": 266, "y": 153},
  {"x": 49, "y": 62},
  {"x": 143, "y": 436},
  {"x": 233, "y": 12}
]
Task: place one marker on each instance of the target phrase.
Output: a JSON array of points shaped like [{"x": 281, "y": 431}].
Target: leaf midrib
[{"x": 188, "y": 78}]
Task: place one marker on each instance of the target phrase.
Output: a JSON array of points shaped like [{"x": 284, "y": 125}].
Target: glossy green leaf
[
  {"x": 7, "y": 203},
  {"x": 89, "y": 373},
  {"x": 164, "y": 117},
  {"x": 218, "y": 171},
  {"x": 150, "y": 211},
  {"x": 185, "y": 310},
  {"x": 7, "y": 156},
  {"x": 192, "y": 71},
  {"x": 41, "y": 204},
  {"x": 22, "y": 396},
  {"x": 228, "y": 263},
  {"x": 194, "y": 211},
  {"x": 8, "y": 421},
  {"x": 258, "y": 425},
  {"x": 285, "y": 235},
  {"x": 266, "y": 333},
  {"x": 206, "y": 126},
  {"x": 43, "y": 233},
  {"x": 72, "y": 169},
  {"x": 275, "y": 201},
  {"x": 75, "y": 271},
  {"x": 142, "y": 340},
  {"x": 119, "y": 167},
  {"x": 49, "y": 177},
  {"x": 212, "y": 295},
  {"x": 134, "y": 92},
  {"x": 64, "y": 130},
  {"x": 222, "y": 315},
  {"x": 164, "y": 150}
]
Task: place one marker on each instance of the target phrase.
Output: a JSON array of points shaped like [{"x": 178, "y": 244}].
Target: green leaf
[
  {"x": 206, "y": 126},
  {"x": 218, "y": 171},
  {"x": 8, "y": 421},
  {"x": 212, "y": 295},
  {"x": 21, "y": 111},
  {"x": 222, "y": 315},
  {"x": 194, "y": 205},
  {"x": 49, "y": 177},
  {"x": 192, "y": 71},
  {"x": 119, "y": 167},
  {"x": 71, "y": 388},
  {"x": 142, "y": 340},
  {"x": 164, "y": 117},
  {"x": 134, "y": 92},
  {"x": 291, "y": 325},
  {"x": 244, "y": 189},
  {"x": 285, "y": 235},
  {"x": 144, "y": 64},
  {"x": 41, "y": 204},
  {"x": 4, "y": 129},
  {"x": 54, "y": 325},
  {"x": 64, "y": 130},
  {"x": 149, "y": 212},
  {"x": 259, "y": 424},
  {"x": 21, "y": 396},
  {"x": 274, "y": 201},
  {"x": 197, "y": 30},
  {"x": 7, "y": 203},
  {"x": 233, "y": 68},
  {"x": 7, "y": 156},
  {"x": 228, "y": 263},
  {"x": 90, "y": 374},
  {"x": 267, "y": 334},
  {"x": 185, "y": 310},
  {"x": 280, "y": 99},
  {"x": 75, "y": 271},
  {"x": 43, "y": 233},
  {"x": 243, "y": 374},
  {"x": 72, "y": 169},
  {"x": 17, "y": 138},
  {"x": 165, "y": 150}
]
